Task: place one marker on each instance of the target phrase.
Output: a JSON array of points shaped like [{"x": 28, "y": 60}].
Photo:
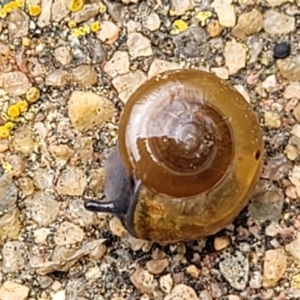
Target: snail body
[{"x": 188, "y": 158}]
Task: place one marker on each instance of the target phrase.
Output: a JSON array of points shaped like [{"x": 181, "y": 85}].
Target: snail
[{"x": 188, "y": 158}]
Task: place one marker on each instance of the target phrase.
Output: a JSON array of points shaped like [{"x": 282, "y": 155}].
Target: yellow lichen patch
[
  {"x": 3, "y": 14},
  {"x": 9, "y": 125},
  {"x": 296, "y": 281},
  {"x": 86, "y": 29},
  {"x": 76, "y": 5},
  {"x": 95, "y": 26},
  {"x": 72, "y": 24},
  {"x": 202, "y": 16},
  {"x": 4, "y": 132},
  {"x": 179, "y": 26},
  {"x": 9, "y": 7},
  {"x": 7, "y": 167},
  {"x": 75, "y": 32},
  {"x": 34, "y": 10},
  {"x": 102, "y": 8},
  {"x": 23, "y": 106},
  {"x": 81, "y": 31},
  {"x": 13, "y": 111},
  {"x": 20, "y": 3},
  {"x": 32, "y": 95}
]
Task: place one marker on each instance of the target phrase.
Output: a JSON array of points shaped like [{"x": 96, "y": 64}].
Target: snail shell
[{"x": 189, "y": 155}]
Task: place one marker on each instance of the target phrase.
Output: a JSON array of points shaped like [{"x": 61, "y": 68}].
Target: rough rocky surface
[{"x": 67, "y": 68}]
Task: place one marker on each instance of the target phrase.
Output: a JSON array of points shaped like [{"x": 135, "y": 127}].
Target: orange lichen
[{"x": 32, "y": 94}]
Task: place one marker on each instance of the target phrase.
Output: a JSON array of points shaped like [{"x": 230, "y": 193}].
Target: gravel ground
[{"x": 66, "y": 70}]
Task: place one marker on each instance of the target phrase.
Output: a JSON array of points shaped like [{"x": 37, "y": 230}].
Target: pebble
[
  {"x": 296, "y": 112},
  {"x": 93, "y": 273},
  {"x": 272, "y": 120},
  {"x": 71, "y": 181},
  {"x": 138, "y": 45},
  {"x": 68, "y": 234},
  {"x": 181, "y": 6},
  {"x": 10, "y": 225},
  {"x": 84, "y": 75},
  {"x": 108, "y": 33},
  {"x": 281, "y": 50},
  {"x": 214, "y": 28},
  {"x": 221, "y": 242},
  {"x": 276, "y": 23},
  {"x": 126, "y": 84},
  {"x": 60, "y": 9},
  {"x": 45, "y": 16},
  {"x": 249, "y": 23},
  {"x": 267, "y": 201},
  {"x": 98, "y": 249},
  {"x": 117, "y": 227},
  {"x": 60, "y": 295},
  {"x": 182, "y": 292},
  {"x": 78, "y": 215},
  {"x": 15, "y": 83},
  {"x": 193, "y": 271},
  {"x": 274, "y": 267},
  {"x": 18, "y": 23},
  {"x": 143, "y": 281},
  {"x": 221, "y": 72},
  {"x": 13, "y": 257},
  {"x": 42, "y": 179},
  {"x": 23, "y": 140},
  {"x": 159, "y": 66},
  {"x": 8, "y": 192},
  {"x": 118, "y": 65},
  {"x": 294, "y": 248},
  {"x": 4, "y": 145},
  {"x": 86, "y": 110},
  {"x": 11, "y": 290},
  {"x": 235, "y": 269},
  {"x": 87, "y": 12},
  {"x": 57, "y": 78},
  {"x": 292, "y": 91},
  {"x": 290, "y": 67},
  {"x": 152, "y": 21},
  {"x": 61, "y": 153},
  {"x": 225, "y": 11},
  {"x": 157, "y": 266},
  {"x": 205, "y": 295},
  {"x": 255, "y": 280},
  {"x": 41, "y": 235},
  {"x": 166, "y": 283},
  {"x": 63, "y": 55},
  {"x": 42, "y": 208},
  {"x": 215, "y": 290},
  {"x": 235, "y": 57}
]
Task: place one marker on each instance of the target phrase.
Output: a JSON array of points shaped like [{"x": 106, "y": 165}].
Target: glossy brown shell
[{"x": 196, "y": 146}]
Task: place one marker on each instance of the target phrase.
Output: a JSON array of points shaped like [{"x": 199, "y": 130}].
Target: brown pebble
[
  {"x": 221, "y": 242},
  {"x": 214, "y": 28},
  {"x": 193, "y": 271},
  {"x": 157, "y": 266}
]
